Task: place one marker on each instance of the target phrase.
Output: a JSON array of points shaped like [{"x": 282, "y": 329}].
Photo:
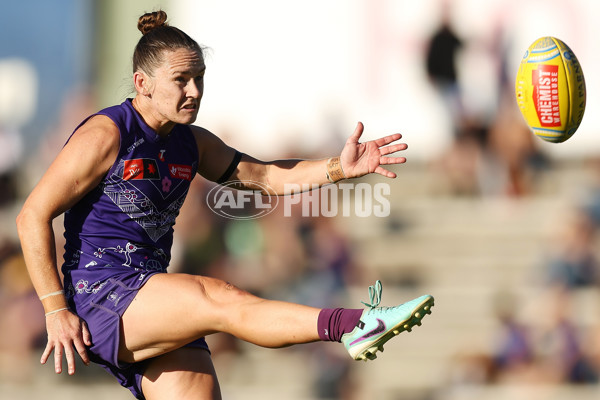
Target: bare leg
[
  {"x": 184, "y": 374},
  {"x": 172, "y": 310}
]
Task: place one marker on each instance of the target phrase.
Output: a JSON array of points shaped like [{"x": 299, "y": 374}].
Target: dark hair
[{"x": 158, "y": 37}]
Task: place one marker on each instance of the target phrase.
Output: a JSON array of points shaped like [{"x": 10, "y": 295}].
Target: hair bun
[{"x": 152, "y": 20}]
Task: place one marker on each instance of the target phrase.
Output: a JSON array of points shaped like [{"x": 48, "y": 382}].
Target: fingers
[
  {"x": 79, "y": 343},
  {"x": 392, "y": 149},
  {"x": 66, "y": 346},
  {"x": 392, "y": 160},
  {"x": 387, "y": 139},
  {"x": 70, "y": 360},
  {"x": 81, "y": 350},
  {"x": 87, "y": 337},
  {"x": 46, "y": 353},
  {"x": 69, "y": 355},
  {"x": 388, "y": 161},
  {"x": 385, "y": 172},
  {"x": 358, "y": 131},
  {"x": 58, "y": 360},
  {"x": 58, "y": 350}
]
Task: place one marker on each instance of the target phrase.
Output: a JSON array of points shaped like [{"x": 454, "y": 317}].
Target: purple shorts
[{"x": 101, "y": 302}]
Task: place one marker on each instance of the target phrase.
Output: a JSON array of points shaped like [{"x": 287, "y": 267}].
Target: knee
[
  {"x": 221, "y": 293},
  {"x": 228, "y": 303},
  {"x": 229, "y": 287}
]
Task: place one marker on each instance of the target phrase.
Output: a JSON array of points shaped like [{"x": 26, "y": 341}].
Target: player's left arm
[{"x": 356, "y": 159}]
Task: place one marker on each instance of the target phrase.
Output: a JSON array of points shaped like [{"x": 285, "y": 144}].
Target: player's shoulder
[
  {"x": 99, "y": 124},
  {"x": 210, "y": 146},
  {"x": 98, "y": 133},
  {"x": 200, "y": 131},
  {"x": 204, "y": 137}
]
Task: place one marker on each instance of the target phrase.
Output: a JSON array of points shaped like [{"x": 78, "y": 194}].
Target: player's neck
[{"x": 161, "y": 129}]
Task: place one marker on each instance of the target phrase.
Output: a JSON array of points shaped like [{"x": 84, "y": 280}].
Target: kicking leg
[{"x": 171, "y": 310}]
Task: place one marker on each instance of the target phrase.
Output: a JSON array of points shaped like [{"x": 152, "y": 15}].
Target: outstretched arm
[{"x": 357, "y": 159}]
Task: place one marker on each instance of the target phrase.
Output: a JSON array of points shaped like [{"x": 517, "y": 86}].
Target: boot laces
[{"x": 375, "y": 297}]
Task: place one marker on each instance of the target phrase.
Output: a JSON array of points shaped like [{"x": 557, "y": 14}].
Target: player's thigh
[
  {"x": 171, "y": 310},
  {"x": 185, "y": 373}
]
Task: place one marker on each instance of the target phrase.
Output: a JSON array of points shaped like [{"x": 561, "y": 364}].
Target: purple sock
[{"x": 334, "y": 322}]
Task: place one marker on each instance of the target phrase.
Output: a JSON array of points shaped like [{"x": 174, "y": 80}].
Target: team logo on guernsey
[
  {"x": 181, "y": 171},
  {"x": 140, "y": 168}
]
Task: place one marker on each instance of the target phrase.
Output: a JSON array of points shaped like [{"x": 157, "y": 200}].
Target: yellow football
[{"x": 550, "y": 89}]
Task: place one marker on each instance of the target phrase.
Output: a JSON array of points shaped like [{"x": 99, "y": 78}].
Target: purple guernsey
[
  {"x": 121, "y": 232},
  {"x": 127, "y": 221}
]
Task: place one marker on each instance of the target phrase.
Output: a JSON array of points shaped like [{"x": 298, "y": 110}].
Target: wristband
[
  {"x": 54, "y": 301},
  {"x": 334, "y": 170},
  {"x": 55, "y": 311},
  {"x": 52, "y": 294}
]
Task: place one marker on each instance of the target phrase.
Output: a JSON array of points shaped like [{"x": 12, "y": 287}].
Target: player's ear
[{"x": 141, "y": 82}]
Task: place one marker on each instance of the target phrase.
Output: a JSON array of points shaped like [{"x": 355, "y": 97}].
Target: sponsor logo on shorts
[{"x": 114, "y": 297}]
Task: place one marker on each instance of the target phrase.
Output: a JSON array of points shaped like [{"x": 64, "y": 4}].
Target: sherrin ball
[{"x": 550, "y": 89}]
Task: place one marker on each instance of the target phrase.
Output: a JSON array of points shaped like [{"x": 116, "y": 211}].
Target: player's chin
[{"x": 187, "y": 117}]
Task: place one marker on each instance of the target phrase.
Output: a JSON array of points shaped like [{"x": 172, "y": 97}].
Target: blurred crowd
[
  {"x": 548, "y": 335},
  {"x": 310, "y": 260}
]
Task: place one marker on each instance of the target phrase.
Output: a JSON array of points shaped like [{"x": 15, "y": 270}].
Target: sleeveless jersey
[{"x": 127, "y": 220}]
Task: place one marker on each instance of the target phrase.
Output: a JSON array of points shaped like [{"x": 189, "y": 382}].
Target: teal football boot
[{"x": 377, "y": 324}]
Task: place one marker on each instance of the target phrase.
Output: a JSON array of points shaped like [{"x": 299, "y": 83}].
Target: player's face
[{"x": 178, "y": 85}]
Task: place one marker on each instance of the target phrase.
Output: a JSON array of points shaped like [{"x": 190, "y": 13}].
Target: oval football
[{"x": 550, "y": 89}]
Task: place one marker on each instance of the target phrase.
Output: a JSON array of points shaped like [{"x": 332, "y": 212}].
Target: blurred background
[{"x": 501, "y": 227}]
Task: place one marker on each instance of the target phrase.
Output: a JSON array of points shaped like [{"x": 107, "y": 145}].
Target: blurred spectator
[
  {"x": 591, "y": 203},
  {"x": 562, "y": 356},
  {"x": 572, "y": 261},
  {"x": 512, "y": 157},
  {"x": 440, "y": 63},
  {"x": 461, "y": 164},
  {"x": 329, "y": 265},
  {"x": 331, "y": 375},
  {"x": 514, "y": 353},
  {"x": 501, "y": 160}
]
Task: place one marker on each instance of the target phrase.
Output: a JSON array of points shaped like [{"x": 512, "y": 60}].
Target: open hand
[
  {"x": 359, "y": 159},
  {"x": 65, "y": 332}
]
